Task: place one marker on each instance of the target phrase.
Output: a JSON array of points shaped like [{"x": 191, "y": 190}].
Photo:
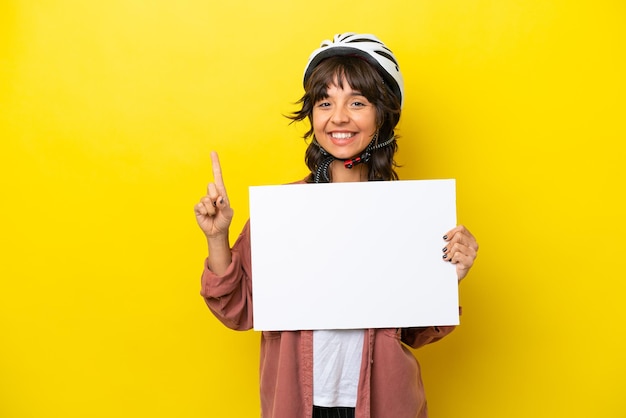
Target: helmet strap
[{"x": 322, "y": 174}]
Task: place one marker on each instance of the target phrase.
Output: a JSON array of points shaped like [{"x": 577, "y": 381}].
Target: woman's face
[{"x": 344, "y": 122}]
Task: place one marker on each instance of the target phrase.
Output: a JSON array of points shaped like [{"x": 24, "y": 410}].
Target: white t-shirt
[{"x": 336, "y": 366}]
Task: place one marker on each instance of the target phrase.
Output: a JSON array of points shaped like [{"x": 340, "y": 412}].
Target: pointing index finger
[{"x": 217, "y": 173}]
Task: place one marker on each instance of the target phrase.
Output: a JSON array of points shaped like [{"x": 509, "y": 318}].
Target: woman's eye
[
  {"x": 360, "y": 101},
  {"x": 323, "y": 104}
]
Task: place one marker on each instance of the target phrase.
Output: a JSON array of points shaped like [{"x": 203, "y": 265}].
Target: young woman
[{"x": 353, "y": 97}]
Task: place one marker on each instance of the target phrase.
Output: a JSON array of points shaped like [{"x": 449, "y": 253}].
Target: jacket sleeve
[
  {"x": 420, "y": 336},
  {"x": 229, "y": 296}
]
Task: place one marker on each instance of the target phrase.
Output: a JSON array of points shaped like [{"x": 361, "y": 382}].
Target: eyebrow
[{"x": 354, "y": 93}]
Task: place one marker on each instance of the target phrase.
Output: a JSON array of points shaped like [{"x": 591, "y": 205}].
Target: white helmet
[{"x": 365, "y": 46}]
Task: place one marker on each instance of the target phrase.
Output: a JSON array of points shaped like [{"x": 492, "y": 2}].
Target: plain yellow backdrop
[{"x": 108, "y": 112}]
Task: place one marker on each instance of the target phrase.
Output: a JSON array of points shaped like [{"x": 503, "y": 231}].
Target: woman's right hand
[{"x": 213, "y": 212}]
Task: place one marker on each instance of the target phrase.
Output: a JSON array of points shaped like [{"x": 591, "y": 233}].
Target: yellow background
[{"x": 108, "y": 111}]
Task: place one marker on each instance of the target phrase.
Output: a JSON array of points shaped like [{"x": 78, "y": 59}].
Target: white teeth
[{"x": 341, "y": 135}]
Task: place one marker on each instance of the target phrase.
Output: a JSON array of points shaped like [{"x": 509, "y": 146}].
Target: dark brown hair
[{"x": 361, "y": 77}]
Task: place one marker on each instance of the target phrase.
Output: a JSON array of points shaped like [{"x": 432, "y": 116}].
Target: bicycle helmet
[{"x": 365, "y": 46}]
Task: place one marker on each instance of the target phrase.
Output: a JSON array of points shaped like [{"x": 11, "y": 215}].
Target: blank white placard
[{"x": 352, "y": 255}]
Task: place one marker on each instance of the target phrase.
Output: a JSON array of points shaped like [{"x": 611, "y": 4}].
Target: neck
[{"x": 341, "y": 174}]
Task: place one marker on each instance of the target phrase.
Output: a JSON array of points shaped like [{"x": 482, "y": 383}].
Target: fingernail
[
  {"x": 445, "y": 249},
  {"x": 445, "y": 237},
  {"x": 221, "y": 201},
  {"x": 445, "y": 256},
  {"x": 214, "y": 204}
]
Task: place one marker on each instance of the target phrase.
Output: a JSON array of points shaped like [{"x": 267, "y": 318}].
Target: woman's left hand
[{"x": 461, "y": 249}]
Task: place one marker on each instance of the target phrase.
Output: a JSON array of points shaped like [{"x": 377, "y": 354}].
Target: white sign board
[{"x": 352, "y": 255}]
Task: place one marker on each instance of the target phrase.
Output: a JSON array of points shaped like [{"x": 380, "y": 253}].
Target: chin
[
  {"x": 345, "y": 152},
  {"x": 344, "y": 155}
]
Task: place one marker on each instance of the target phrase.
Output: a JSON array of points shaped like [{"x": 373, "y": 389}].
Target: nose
[{"x": 340, "y": 115}]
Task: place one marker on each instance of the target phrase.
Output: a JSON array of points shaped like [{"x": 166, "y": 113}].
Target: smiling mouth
[{"x": 342, "y": 135}]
